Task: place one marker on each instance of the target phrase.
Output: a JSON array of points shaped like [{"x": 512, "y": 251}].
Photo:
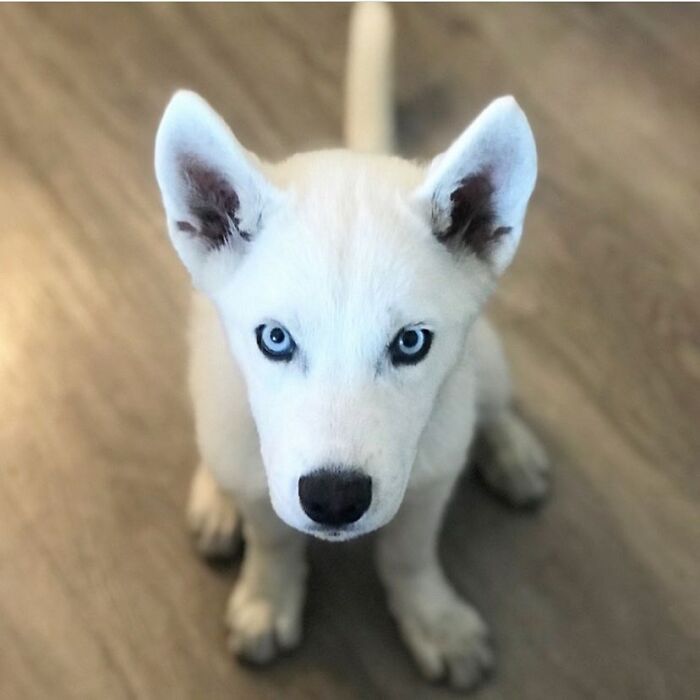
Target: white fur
[
  {"x": 190, "y": 127},
  {"x": 499, "y": 140},
  {"x": 343, "y": 254},
  {"x": 369, "y": 127}
]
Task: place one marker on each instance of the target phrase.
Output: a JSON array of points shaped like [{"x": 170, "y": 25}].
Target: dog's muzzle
[{"x": 335, "y": 495}]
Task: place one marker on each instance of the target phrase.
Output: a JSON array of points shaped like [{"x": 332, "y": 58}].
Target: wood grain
[{"x": 597, "y": 596}]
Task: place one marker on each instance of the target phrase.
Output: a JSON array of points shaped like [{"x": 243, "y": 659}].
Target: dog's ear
[
  {"x": 215, "y": 197},
  {"x": 477, "y": 191}
]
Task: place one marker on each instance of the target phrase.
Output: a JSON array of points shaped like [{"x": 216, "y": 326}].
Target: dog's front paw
[
  {"x": 212, "y": 518},
  {"x": 513, "y": 463},
  {"x": 446, "y": 636},
  {"x": 450, "y": 644},
  {"x": 261, "y": 626}
]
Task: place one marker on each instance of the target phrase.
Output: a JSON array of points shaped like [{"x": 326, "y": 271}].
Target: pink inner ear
[
  {"x": 213, "y": 203},
  {"x": 472, "y": 224},
  {"x": 185, "y": 226}
]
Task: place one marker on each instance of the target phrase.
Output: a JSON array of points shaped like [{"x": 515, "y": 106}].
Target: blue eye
[
  {"x": 410, "y": 345},
  {"x": 275, "y": 342}
]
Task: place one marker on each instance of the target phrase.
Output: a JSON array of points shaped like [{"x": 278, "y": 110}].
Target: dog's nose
[{"x": 335, "y": 495}]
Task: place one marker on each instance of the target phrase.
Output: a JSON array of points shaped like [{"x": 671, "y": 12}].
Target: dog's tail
[{"x": 368, "y": 110}]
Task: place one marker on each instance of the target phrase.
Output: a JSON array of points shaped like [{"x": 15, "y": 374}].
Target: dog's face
[
  {"x": 345, "y": 316},
  {"x": 346, "y": 286}
]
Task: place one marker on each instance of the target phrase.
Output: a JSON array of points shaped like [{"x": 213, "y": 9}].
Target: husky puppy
[{"x": 340, "y": 369}]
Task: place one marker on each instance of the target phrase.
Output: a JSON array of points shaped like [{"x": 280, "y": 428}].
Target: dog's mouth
[{"x": 335, "y": 533}]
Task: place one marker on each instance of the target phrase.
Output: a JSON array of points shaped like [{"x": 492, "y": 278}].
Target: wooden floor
[{"x": 597, "y": 596}]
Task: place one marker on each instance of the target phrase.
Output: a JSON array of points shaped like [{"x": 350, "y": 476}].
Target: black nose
[{"x": 335, "y": 495}]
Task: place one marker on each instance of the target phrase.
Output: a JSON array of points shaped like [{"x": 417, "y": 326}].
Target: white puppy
[{"x": 339, "y": 368}]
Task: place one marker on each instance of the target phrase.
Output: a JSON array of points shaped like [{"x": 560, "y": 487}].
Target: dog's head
[{"x": 346, "y": 285}]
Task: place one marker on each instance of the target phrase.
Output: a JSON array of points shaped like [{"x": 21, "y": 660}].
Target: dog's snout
[{"x": 335, "y": 495}]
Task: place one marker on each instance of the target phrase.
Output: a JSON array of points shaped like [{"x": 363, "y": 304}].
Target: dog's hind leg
[
  {"x": 212, "y": 517},
  {"x": 507, "y": 454},
  {"x": 511, "y": 461}
]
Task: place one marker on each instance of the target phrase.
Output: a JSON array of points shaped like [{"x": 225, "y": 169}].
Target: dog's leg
[
  {"x": 511, "y": 460},
  {"x": 446, "y": 635},
  {"x": 212, "y": 517},
  {"x": 265, "y": 608},
  {"x": 507, "y": 454}
]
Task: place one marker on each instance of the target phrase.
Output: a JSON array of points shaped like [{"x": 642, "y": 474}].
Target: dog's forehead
[
  {"x": 343, "y": 199},
  {"x": 348, "y": 257},
  {"x": 350, "y": 233}
]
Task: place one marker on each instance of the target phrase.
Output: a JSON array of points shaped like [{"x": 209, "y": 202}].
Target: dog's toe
[
  {"x": 451, "y": 646},
  {"x": 212, "y": 518},
  {"x": 252, "y": 633},
  {"x": 218, "y": 534},
  {"x": 467, "y": 670},
  {"x": 261, "y": 628},
  {"x": 513, "y": 463}
]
